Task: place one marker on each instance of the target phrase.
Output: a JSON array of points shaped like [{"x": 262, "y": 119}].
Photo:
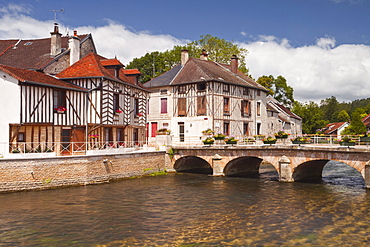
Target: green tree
[
  {"x": 330, "y": 107},
  {"x": 357, "y": 126},
  {"x": 278, "y": 88},
  {"x": 219, "y": 50},
  {"x": 312, "y": 116},
  {"x": 343, "y": 116}
]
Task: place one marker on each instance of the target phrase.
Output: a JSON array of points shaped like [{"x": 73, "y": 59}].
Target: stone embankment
[{"x": 48, "y": 173}]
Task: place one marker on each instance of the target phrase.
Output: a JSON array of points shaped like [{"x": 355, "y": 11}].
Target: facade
[
  {"x": 89, "y": 103},
  {"x": 49, "y": 55},
  {"x": 281, "y": 118},
  {"x": 335, "y": 129},
  {"x": 199, "y": 94}
]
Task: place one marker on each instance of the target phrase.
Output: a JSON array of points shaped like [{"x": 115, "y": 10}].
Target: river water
[{"x": 193, "y": 210}]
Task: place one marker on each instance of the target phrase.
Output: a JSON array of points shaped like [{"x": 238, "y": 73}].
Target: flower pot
[
  {"x": 269, "y": 142},
  {"x": 298, "y": 142},
  {"x": 60, "y": 112},
  {"x": 281, "y": 137},
  {"x": 347, "y": 143},
  {"x": 219, "y": 138},
  {"x": 231, "y": 142},
  {"x": 208, "y": 143}
]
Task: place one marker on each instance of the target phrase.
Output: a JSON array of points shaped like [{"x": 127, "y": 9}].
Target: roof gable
[{"x": 34, "y": 77}]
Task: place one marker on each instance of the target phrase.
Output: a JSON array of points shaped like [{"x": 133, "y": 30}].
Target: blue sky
[{"x": 309, "y": 42}]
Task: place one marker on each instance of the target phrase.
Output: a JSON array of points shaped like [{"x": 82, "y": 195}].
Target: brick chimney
[
  {"x": 204, "y": 55},
  {"x": 234, "y": 64},
  {"x": 184, "y": 56},
  {"x": 56, "y": 41},
  {"x": 74, "y": 47}
]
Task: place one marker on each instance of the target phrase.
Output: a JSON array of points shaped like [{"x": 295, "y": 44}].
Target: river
[{"x": 193, "y": 210}]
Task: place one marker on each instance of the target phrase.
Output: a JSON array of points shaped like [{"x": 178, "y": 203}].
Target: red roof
[
  {"x": 31, "y": 76},
  {"x": 111, "y": 62},
  {"x": 91, "y": 66},
  {"x": 366, "y": 120},
  {"x": 31, "y": 53},
  {"x": 330, "y": 128},
  {"x": 132, "y": 72}
]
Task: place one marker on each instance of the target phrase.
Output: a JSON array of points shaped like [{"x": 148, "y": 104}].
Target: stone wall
[{"x": 47, "y": 173}]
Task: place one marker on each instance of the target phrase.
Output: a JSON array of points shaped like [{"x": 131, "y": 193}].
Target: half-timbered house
[
  {"x": 117, "y": 102},
  {"x": 37, "y": 111},
  {"x": 199, "y": 94}
]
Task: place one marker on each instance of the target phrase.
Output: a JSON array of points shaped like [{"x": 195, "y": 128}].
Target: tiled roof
[
  {"x": 91, "y": 67},
  {"x": 30, "y": 53},
  {"x": 131, "y": 72},
  {"x": 111, "y": 62},
  {"x": 197, "y": 70},
  {"x": 286, "y": 110},
  {"x": 35, "y": 77},
  {"x": 366, "y": 120},
  {"x": 332, "y": 127}
]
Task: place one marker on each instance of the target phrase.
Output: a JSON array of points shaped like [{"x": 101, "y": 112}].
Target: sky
[{"x": 322, "y": 47}]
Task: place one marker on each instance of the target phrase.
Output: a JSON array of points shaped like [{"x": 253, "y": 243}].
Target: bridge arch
[
  {"x": 309, "y": 171},
  {"x": 245, "y": 166},
  {"x": 193, "y": 164}
]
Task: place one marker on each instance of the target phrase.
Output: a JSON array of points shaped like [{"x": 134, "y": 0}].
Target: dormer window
[{"x": 201, "y": 87}]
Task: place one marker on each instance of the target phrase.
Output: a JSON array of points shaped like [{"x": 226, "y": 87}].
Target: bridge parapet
[{"x": 293, "y": 163}]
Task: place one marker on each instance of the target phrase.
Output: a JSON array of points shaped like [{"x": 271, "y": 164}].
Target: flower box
[
  {"x": 231, "y": 142},
  {"x": 269, "y": 142},
  {"x": 281, "y": 136},
  {"x": 219, "y": 138},
  {"x": 208, "y": 143},
  {"x": 365, "y": 139},
  {"x": 347, "y": 144}
]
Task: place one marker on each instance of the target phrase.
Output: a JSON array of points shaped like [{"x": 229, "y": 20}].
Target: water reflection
[{"x": 192, "y": 209}]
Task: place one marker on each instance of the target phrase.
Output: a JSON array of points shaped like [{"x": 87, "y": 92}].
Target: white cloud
[{"x": 316, "y": 71}]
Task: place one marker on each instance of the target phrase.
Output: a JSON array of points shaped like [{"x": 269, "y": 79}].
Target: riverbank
[{"x": 65, "y": 171}]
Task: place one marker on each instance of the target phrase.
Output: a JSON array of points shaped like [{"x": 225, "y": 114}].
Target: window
[
  {"x": 258, "y": 108},
  {"x": 201, "y": 87},
  {"x": 182, "y": 89},
  {"x": 245, "y": 108},
  {"x": 181, "y": 131},
  {"x": 21, "y": 137},
  {"x": 246, "y": 129},
  {"x": 181, "y": 107},
  {"x": 245, "y": 91},
  {"x": 226, "y": 87},
  {"x": 258, "y": 128},
  {"x": 226, "y": 128},
  {"x": 226, "y": 105},
  {"x": 59, "y": 99},
  {"x": 163, "y": 91},
  {"x": 136, "y": 107},
  {"x": 115, "y": 102},
  {"x": 163, "y": 105},
  {"x": 258, "y": 92},
  {"x": 201, "y": 105},
  {"x": 154, "y": 129}
]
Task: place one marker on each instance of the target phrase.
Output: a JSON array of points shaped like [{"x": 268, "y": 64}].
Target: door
[
  {"x": 66, "y": 141},
  {"x": 78, "y": 139}
]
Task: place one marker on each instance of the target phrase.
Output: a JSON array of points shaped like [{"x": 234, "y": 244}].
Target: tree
[
  {"x": 312, "y": 116},
  {"x": 219, "y": 50},
  {"x": 343, "y": 116},
  {"x": 357, "y": 126},
  {"x": 278, "y": 88},
  {"x": 330, "y": 107}
]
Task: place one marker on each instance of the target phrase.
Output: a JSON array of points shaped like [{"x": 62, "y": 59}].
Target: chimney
[
  {"x": 234, "y": 64},
  {"x": 56, "y": 41},
  {"x": 184, "y": 56},
  {"x": 74, "y": 48},
  {"x": 204, "y": 55}
]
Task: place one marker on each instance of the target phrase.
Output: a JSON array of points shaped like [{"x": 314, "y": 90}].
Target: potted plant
[
  {"x": 281, "y": 135},
  {"x": 347, "y": 141},
  {"x": 219, "y": 136},
  {"x": 60, "y": 109},
  {"x": 269, "y": 140},
  {"x": 300, "y": 140},
  {"x": 208, "y": 141},
  {"x": 163, "y": 131},
  {"x": 259, "y": 137},
  {"x": 208, "y": 132},
  {"x": 231, "y": 140},
  {"x": 365, "y": 137}
]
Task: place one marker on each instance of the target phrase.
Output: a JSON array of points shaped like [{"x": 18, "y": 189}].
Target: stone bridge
[{"x": 293, "y": 163}]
